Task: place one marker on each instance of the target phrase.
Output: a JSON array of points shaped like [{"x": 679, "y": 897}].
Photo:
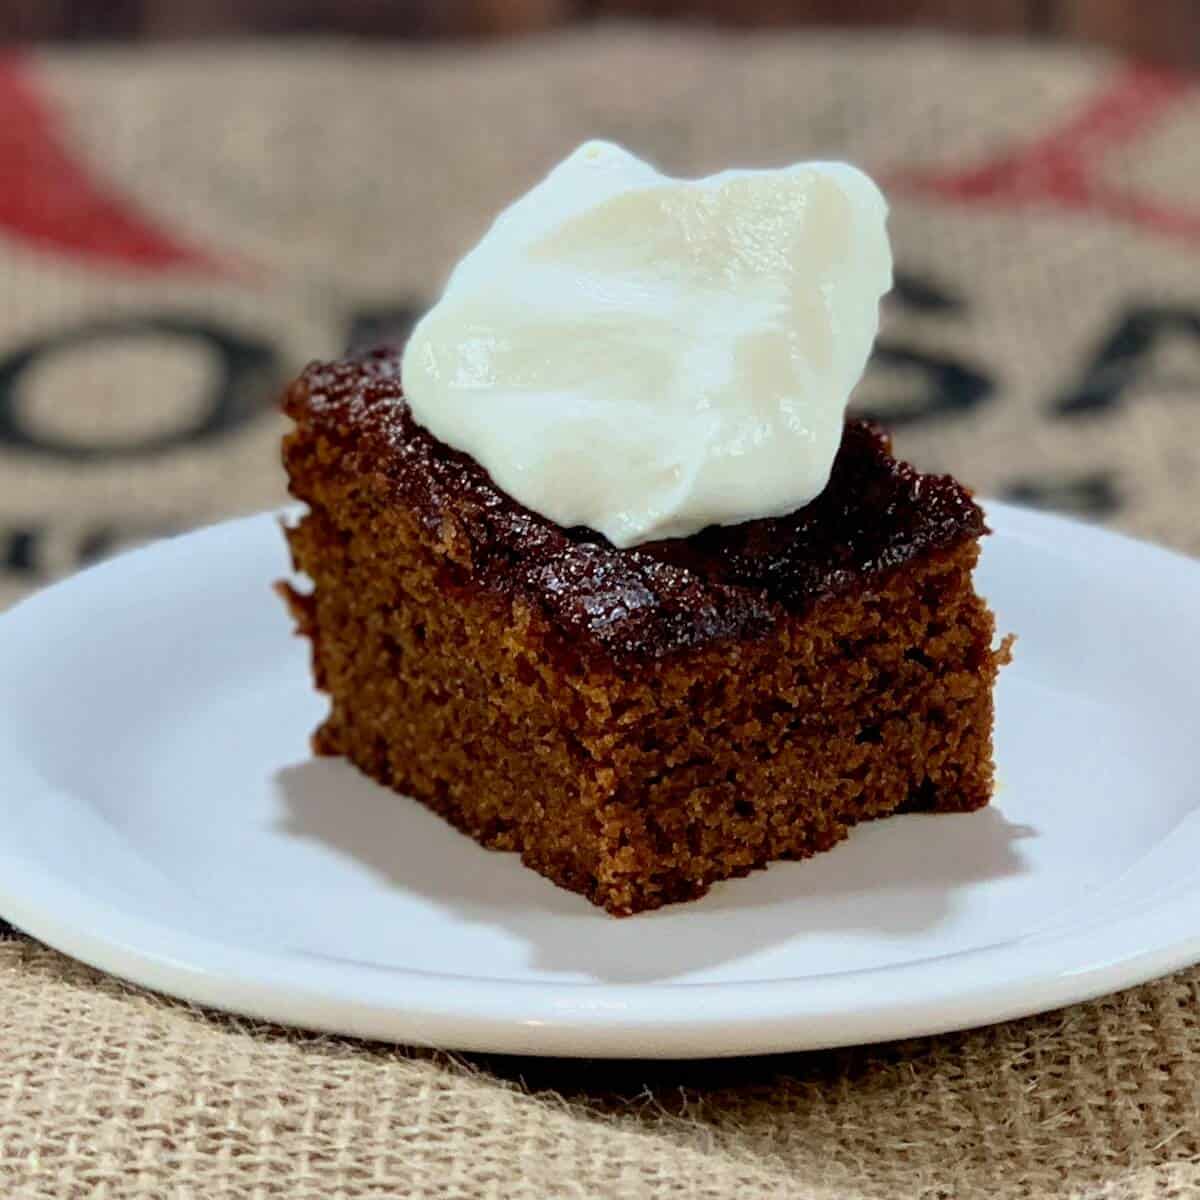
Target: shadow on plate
[{"x": 893, "y": 878}]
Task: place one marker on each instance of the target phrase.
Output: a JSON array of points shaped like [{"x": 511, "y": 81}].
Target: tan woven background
[{"x": 1046, "y": 345}]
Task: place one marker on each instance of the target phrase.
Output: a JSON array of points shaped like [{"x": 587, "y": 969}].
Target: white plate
[{"x": 160, "y": 818}]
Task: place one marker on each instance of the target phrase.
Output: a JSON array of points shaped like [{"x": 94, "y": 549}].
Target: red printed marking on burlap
[
  {"x": 50, "y": 198},
  {"x": 1063, "y": 168}
]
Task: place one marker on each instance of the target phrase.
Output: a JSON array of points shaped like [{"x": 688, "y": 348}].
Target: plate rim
[{"x": 979, "y": 986}]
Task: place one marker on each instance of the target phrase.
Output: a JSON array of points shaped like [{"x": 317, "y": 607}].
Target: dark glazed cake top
[{"x": 726, "y": 581}]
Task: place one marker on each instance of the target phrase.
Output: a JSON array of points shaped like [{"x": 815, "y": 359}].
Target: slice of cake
[
  {"x": 636, "y": 723},
  {"x": 608, "y": 581}
]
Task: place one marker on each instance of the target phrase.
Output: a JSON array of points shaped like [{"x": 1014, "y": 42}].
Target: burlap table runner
[{"x": 180, "y": 229}]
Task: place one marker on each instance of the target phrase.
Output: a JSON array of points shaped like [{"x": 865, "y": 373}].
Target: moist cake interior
[{"x": 637, "y": 724}]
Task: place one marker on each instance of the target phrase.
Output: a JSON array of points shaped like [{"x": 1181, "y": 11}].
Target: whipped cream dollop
[{"x": 646, "y": 355}]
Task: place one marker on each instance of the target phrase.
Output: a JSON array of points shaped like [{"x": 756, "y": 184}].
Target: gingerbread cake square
[{"x": 636, "y": 723}]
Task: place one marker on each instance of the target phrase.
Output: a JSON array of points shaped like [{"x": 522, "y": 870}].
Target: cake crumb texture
[{"x": 637, "y": 779}]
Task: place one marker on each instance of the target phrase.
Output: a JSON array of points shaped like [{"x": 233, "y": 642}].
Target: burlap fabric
[{"x": 180, "y": 229}]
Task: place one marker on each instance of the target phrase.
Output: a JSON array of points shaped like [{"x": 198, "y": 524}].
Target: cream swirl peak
[{"x": 646, "y": 356}]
